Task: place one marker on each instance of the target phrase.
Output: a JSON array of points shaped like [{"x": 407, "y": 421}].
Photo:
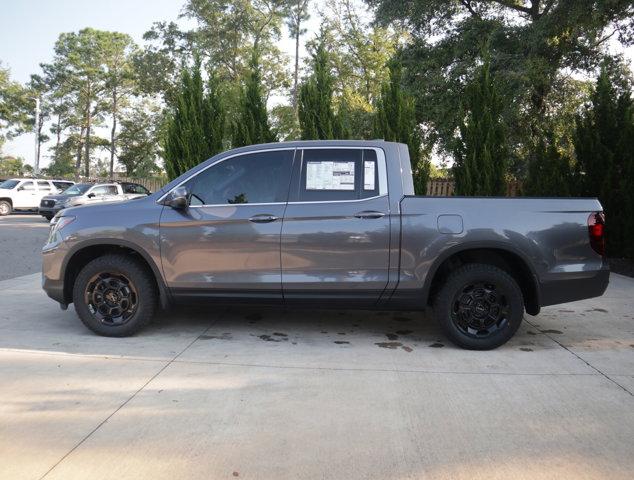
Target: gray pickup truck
[{"x": 325, "y": 223}]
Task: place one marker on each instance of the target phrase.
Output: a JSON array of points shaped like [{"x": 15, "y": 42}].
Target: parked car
[
  {"x": 25, "y": 193},
  {"x": 90, "y": 193},
  {"x": 325, "y": 223}
]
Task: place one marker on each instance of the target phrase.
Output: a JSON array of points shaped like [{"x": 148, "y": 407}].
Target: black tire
[
  {"x": 5, "y": 208},
  {"x": 115, "y": 295},
  {"x": 479, "y": 307},
  {"x": 48, "y": 217}
]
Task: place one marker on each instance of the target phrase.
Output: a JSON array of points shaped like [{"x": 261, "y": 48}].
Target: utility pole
[{"x": 36, "y": 127}]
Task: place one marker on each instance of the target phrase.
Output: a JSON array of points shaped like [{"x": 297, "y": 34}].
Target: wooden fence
[{"x": 445, "y": 188}]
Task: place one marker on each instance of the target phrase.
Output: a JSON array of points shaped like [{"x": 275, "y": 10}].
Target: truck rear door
[{"x": 336, "y": 229}]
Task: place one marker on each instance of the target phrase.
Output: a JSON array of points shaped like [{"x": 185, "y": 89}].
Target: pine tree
[
  {"x": 317, "y": 119},
  {"x": 395, "y": 121},
  {"x": 195, "y": 126},
  {"x": 481, "y": 155},
  {"x": 603, "y": 147},
  {"x": 253, "y": 124},
  {"x": 549, "y": 172}
]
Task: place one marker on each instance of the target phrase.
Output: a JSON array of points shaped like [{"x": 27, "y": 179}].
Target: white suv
[{"x": 26, "y": 193}]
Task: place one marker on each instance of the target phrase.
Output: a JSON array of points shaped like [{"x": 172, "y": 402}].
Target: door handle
[
  {"x": 262, "y": 218},
  {"x": 369, "y": 214}
]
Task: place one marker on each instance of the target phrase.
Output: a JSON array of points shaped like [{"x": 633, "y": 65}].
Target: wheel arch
[
  {"x": 503, "y": 256},
  {"x": 83, "y": 253}
]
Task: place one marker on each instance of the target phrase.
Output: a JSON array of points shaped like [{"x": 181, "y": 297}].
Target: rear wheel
[
  {"x": 115, "y": 295},
  {"x": 479, "y": 307},
  {"x": 5, "y": 208}
]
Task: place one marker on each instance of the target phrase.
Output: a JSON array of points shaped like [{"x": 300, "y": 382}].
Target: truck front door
[
  {"x": 336, "y": 231},
  {"x": 227, "y": 243}
]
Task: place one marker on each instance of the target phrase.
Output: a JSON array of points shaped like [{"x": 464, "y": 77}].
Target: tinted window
[
  {"x": 338, "y": 174},
  {"x": 9, "y": 184},
  {"x": 62, "y": 185},
  {"x": 134, "y": 188},
  {"x": 43, "y": 185},
  {"x": 78, "y": 189},
  {"x": 251, "y": 178}
]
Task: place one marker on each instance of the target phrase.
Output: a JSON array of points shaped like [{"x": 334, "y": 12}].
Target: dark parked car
[{"x": 331, "y": 223}]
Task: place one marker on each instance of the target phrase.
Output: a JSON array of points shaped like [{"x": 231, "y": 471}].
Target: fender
[
  {"x": 164, "y": 292},
  {"x": 494, "y": 245}
]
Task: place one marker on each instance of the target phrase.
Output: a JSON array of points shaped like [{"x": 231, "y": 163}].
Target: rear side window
[
  {"x": 262, "y": 177},
  {"x": 338, "y": 174},
  {"x": 43, "y": 185}
]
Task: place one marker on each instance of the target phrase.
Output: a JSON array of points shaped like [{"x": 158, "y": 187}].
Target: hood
[
  {"x": 57, "y": 198},
  {"x": 119, "y": 205}
]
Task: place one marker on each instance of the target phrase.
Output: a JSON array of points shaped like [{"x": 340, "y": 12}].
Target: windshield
[
  {"x": 77, "y": 189},
  {"x": 8, "y": 184}
]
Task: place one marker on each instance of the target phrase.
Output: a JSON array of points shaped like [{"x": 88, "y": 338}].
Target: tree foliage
[
  {"x": 195, "y": 124},
  {"x": 603, "y": 146},
  {"x": 480, "y": 153},
  {"x": 395, "y": 121},
  {"x": 549, "y": 171},
  {"x": 252, "y": 125}
]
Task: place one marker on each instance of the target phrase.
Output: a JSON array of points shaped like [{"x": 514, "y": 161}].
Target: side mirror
[
  {"x": 91, "y": 195},
  {"x": 178, "y": 198}
]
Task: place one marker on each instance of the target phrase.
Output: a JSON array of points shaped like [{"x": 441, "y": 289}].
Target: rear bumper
[{"x": 573, "y": 289}]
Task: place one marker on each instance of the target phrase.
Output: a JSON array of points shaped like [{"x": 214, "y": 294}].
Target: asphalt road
[{"x": 21, "y": 239}]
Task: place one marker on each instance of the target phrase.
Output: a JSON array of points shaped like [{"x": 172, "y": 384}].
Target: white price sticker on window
[
  {"x": 368, "y": 175},
  {"x": 330, "y": 176}
]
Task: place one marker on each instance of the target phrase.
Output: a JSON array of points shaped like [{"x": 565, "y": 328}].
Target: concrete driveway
[{"x": 215, "y": 393}]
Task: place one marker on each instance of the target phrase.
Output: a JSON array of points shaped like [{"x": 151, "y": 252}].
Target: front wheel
[
  {"x": 115, "y": 295},
  {"x": 5, "y": 208},
  {"x": 479, "y": 307}
]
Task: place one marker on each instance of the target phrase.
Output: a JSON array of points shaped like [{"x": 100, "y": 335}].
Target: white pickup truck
[{"x": 26, "y": 193}]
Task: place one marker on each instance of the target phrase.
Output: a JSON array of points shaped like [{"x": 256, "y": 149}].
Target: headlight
[{"x": 57, "y": 223}]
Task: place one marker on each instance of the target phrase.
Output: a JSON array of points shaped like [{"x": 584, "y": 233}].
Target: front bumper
[
  {"x": 53, "y": 273},
  {"x": 49, "y": 211}
]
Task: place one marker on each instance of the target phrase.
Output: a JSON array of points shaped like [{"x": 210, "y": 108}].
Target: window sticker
[
  {"x": 330, "y": 176},
  {"x": 368, "y": 175}
]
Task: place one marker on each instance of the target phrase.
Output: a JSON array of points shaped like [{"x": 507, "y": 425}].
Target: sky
[{"x": 29, "y": 29}]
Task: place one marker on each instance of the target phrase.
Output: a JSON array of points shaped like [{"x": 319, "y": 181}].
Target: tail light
[{"x": 596, "y": 230}]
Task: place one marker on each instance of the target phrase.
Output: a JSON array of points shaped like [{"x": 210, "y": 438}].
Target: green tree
[
  {"x": 317, "y": 119},
  {"x": 14, "y": 166},
  {"x": 13, "y": 98},
  {"x": 296, "y": 17},
  {"x": 481, "y": 156},
  {"x": 534, "y": 45},
  {"x": 603, "y": 149},
  {"x": 252, "y": 125},
  {"x": 138, "y": 140},
  {"x": 395, "y": 121},
  {"x": 549, "y": 171},
  {"x": 119, "y": 77},
  {"x": 194, "y": 125}
]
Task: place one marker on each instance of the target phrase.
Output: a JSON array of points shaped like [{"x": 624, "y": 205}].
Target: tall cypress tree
[
  {"x": 195, "y": 125},
  {"x": 253, "y": 121},
  {"x": 549, "y": 172},
  {"x": 317, "y": 119},
  {"x": 395, "y": 121},
  {"x": 603, "y": 147},
  {"x": 481, "y": 155}
]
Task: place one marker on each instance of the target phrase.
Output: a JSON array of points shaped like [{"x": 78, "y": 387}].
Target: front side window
[
  {"x": 335, "y": 174},
  {"x": 261, "y": 177},
  {"x": 27, "y": 186},
  {"x": 134, "y": 188}
]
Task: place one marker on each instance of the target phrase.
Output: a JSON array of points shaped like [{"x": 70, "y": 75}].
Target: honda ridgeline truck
[{"x": 317, "y": 223}]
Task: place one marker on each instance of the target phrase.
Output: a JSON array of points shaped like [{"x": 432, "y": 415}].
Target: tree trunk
[
  {"x": 87, "y": 142},
  {"x": 58, "y": 132},
  {"x": 113, "y": 131},
  {"x": 296, "y": 73},
  {"x": 78, "y": 157}
]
